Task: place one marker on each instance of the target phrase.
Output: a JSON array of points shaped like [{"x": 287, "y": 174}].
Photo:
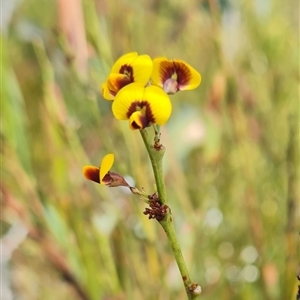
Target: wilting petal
[
  {"x": 116, "y": 180},
  {"x": 110, "y": 179},
  {"x": 103, "y": 175},
  {"x": 174, "y": 75},
  {"x": 93, "y": 173},
  {"x": 142, "y": 106},
  {"x": 106, "y": 164},
  {"x": 100, "y": 175}
]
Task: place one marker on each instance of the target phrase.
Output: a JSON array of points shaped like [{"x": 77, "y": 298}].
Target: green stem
[
  {"x": 156, "y": 156},
  {"x": 169, "y": 229}
]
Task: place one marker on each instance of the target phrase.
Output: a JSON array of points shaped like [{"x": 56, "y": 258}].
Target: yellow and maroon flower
[
  {"x": 142, "y": 106},
  {"x": 103, "y": 175},
  {"x": 127, "y": 69},
  {"x": 174, "y": 75}
]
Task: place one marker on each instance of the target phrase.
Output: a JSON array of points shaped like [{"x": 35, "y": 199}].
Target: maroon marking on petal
[
  {"x": 135, "y": 125},
  {"x": 114, "y": 85},
  {"x": 92, "y": 173},
  {"x": 122, "y": 82},
  {"x": 167, "y": 69},
  {"x": 139, "y": 105},
  {"x": 183, "y": 73},
  {"x": 143, "y": 121},
  {"x": 128, "y": 71},
  {"x": 112, "y": 92}
]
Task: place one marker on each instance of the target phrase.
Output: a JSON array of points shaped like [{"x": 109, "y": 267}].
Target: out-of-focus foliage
[{"x": 231, "y": 165}]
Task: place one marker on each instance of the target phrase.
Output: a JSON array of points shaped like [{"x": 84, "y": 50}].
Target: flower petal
[
  {"x": 128, "y": 68},
  {"x": 142, "y": 69},
  {"x": 138, "y": 121},
  {"x": 137, "y": 68},
  {"x": 167, "y": 71},
  {"x": 152, "y": 103},
  {"x": 160, "y": 104},
  {"x": 110, "y": 179},
  {"x": 187, "y": 77},
  {"x": 117, "y": 81},
  {"x": 163, "y": 69},
  {"x": 106, "y": 93},
  {"x": 91, "y": 173},
  {"x": 124, "y": 99},
  {"x": 125, "y": 59},
  {"x": 106, "y": 164}
]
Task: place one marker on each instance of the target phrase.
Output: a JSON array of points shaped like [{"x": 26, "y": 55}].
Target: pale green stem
[
  {"x": 156, "y": 162},
  {"x": 156, "y": 156}
]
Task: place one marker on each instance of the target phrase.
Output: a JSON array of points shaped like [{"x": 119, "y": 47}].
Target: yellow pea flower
[
  {"x": 142, "y": 106},
  {"x": 174, "y": 75},
  {"x": 127, "y": 69},
  {"x": 103, "y": 175}
]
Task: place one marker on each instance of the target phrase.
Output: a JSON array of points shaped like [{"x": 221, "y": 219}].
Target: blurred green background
[{"x": 231, "y": 165}]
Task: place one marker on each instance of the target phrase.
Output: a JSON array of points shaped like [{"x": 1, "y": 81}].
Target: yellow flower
[
  {"x": 142, "y": 106},
  {"x": 127, "y": 69},
  {"x": 174, "y": 75},
  {"x": 103, "y": 175}
]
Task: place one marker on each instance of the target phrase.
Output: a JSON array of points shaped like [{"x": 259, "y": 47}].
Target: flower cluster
[{"x": 139, "y": 88}]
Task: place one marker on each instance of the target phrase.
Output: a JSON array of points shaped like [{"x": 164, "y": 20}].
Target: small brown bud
[{"x": 195, "y": 289}]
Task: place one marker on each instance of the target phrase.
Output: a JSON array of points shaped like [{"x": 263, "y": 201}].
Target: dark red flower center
[
  {"x": 147, "y": 116},
  {"x": 128, "y": 71}
]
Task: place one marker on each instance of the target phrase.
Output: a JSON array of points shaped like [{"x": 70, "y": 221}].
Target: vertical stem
[
  {"x": 168, "y": 226},
  {"x": 156, "y": 156}
]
